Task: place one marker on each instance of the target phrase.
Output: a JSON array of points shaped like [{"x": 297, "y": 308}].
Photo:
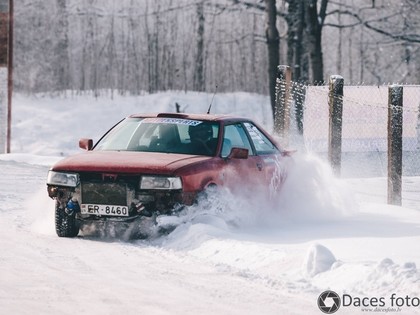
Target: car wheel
[
  {"x": 65, "y": 224},
  {"x": 204, "y": 194}
]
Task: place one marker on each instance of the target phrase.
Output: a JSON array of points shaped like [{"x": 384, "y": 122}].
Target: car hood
[{"x": 127, "y": 162}]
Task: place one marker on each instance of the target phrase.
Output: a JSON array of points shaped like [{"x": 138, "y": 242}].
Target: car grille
[{"x": 105, "y": 193}]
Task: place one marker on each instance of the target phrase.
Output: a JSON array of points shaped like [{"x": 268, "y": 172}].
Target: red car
[{"x": 149, "y": 165}]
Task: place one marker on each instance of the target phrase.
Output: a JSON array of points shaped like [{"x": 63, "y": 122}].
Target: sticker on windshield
[{"x": 177, "y": 121}]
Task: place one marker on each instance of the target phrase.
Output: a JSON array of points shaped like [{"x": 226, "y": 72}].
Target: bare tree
[
  {"x": 61, "y": 67},
  {"x": 305, "y": 20},
  {"x": 295, "y": 39},
  {"x": 314, "y": 23},
  {"x": 195, "y": 45},
  {"x": 384, "y": 27},
  {"x": 273, "y": 45},
  {"x": 152, "y": 36},
  {"x": 199, "y": 84},
  {"x": 89, "y": 68}
]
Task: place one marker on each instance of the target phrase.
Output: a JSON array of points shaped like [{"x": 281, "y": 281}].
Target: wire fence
[{"x": 364, "y": 127}]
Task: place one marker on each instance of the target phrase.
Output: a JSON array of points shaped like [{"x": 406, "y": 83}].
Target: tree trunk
[
  {"x": 273, "y": 45},
  {"x": 314, "y": 32},
  {"x": 199, "y": 84},
  {"x": 295, "y": 57},
  {"x": 62, "y": 47}
]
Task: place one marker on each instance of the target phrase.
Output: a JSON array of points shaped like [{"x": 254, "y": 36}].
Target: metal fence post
[
  {"x": 395, "y": 129},
  {"x": 281, "y": 113},
  {"x": 335, "y": 101}
]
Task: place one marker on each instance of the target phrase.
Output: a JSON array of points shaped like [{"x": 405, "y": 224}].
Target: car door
[
  {"x": 271, "y": 160},
  {"x": 240, "y": 174}
]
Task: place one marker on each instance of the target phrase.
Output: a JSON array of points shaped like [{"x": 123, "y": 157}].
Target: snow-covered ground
[{"x": 228, "y": 255}]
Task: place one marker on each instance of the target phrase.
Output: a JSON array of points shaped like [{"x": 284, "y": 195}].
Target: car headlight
[
  {"x": 160, "y": 182},
  {"x": 62, "y": 179}
]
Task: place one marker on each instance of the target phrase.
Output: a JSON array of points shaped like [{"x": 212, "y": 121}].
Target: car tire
[
  {"x": 204, "y": 194},
  {"x": 65, "y": 224}
]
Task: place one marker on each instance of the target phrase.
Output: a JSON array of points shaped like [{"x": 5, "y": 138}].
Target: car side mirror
[
  {"x": 86, "y": 144},
  {"x": 238, "y": 153}
]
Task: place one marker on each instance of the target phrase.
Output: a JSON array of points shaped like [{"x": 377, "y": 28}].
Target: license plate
[{"x": 110, "y": 210}]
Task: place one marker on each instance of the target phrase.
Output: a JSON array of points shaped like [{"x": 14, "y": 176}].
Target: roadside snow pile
[
  {"x": 319, "y": 259},
  {"x": 364, "y": 277},
  {"x": 30, "y": 159},
  {"x": 387, "y": 275}
]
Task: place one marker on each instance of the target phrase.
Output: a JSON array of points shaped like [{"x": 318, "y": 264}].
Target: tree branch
[
  {"x": 412, "y": 38},
  {"x": 257, "y": 6}
]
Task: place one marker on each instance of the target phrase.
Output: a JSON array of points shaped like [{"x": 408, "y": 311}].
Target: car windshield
[{"x": 162, "y": 134}]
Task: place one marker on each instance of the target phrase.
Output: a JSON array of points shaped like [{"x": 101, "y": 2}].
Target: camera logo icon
[{"x": 329, "y": 302}]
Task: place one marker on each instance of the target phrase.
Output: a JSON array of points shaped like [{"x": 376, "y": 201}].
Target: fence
[{"x": 364, "y": 126}]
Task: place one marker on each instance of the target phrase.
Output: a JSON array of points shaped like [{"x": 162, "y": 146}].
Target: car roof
[{"x": 205, "y": 117}]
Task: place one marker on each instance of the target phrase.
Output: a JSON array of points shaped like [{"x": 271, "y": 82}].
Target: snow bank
[
  {"x": 319, "y": 259},
  {"x": 30, "y": 158}
]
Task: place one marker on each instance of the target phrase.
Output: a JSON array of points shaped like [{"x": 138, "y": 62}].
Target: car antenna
[{"x": 208, "y": 111}]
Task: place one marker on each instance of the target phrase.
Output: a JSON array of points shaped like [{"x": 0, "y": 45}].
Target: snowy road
[{"x": 205, "y": 266}]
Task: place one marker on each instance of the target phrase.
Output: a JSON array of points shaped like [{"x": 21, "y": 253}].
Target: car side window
[
  {"x": 261, "y": 143},
  {"x": 235, "y": 136}
]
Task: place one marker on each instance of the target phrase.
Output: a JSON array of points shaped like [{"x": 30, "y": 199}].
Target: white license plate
[{"x": 110, "y": 210}]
